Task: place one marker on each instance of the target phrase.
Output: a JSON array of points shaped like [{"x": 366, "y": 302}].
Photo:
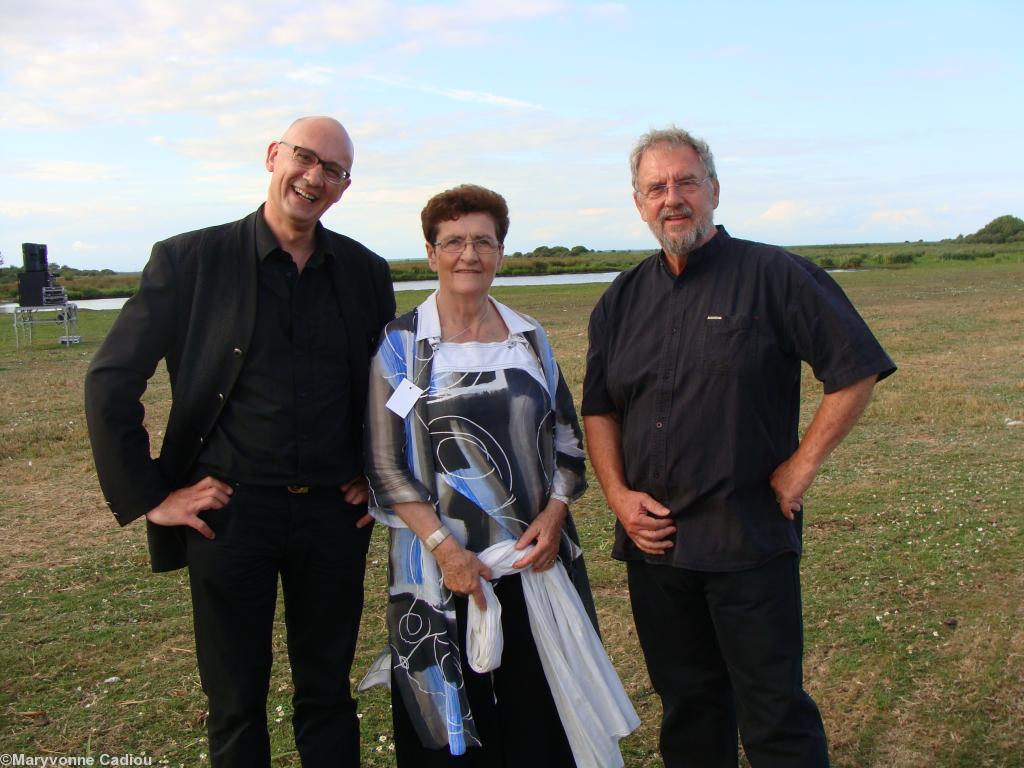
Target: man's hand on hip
[
  {"x": 833, "y": 420},
  {"x": 646, "y": 521},
  {"x": 790, "y": 481},
  {"x": 357, "y": 491},
  {"x": 182, "y": 507}
]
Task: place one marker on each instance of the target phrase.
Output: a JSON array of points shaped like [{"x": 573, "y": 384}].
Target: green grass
[{"x": 913, "y": 589}]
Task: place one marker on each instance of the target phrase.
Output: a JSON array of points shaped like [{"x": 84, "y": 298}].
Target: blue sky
[{"x": 126, "y": 122}]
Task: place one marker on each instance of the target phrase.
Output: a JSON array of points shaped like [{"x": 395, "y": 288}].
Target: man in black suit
[{"x": 267, "y": 326}]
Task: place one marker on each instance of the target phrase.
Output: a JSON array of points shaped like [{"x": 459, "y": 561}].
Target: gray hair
[{"x": 674, "y": 137}]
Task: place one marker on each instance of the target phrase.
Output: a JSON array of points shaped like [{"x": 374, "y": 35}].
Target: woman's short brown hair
[{"x": 458, "y": 201}]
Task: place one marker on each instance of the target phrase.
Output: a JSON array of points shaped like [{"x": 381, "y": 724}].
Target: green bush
[{"x": 897, "y": 258}]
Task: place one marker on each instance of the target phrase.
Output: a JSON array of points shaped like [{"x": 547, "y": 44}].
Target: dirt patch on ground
[
  {"x": 51, "y": 523},
  {"x": 51, "y": 508}
]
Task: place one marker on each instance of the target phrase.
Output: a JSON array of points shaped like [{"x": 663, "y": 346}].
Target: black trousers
[
  {"x": 514, "y": 712},
  {"x": 310, "y": 541},
  {"x": 726, "y": 649}
]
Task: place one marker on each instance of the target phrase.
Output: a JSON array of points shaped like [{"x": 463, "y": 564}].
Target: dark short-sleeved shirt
[
  {"x": 287, "y": 420},
  {"x": 703, "y": 372}
]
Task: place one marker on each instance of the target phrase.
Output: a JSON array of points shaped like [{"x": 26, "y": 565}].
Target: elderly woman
[{"x": 472, "y": 444}]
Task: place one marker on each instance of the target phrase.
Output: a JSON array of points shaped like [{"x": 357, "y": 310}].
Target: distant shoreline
[
  {"x": 116, "y": 302},
  {"x": 558, "y": 264}
]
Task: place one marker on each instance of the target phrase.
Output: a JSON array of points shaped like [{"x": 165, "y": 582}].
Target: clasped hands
[{"x": 462, "y": 570}]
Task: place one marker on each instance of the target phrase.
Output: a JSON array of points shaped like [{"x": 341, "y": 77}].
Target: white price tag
[{"x": 404, "y": 398}]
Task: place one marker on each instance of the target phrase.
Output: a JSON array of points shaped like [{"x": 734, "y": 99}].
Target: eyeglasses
[
  {"x": 307, "y": 158},
  {"x": 660, "y": 191},
  {"x": 454, "y": 246}
]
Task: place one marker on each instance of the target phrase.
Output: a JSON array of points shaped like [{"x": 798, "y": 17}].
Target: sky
[{"x": 124, "y": 123}]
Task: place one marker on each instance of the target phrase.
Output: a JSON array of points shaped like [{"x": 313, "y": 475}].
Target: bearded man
[{"x": 691, "y": 402}]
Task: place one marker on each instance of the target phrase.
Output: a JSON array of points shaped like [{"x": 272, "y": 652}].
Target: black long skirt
[{"x": 515, "y": 715}]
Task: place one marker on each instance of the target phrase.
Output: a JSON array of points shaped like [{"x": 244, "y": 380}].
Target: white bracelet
[
  {"x": 433, "y": 541},
  {"x": 559, "y": 497}
]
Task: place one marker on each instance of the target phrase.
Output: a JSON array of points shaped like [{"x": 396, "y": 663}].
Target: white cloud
[
  {"x": 72, "y": 213},
  {"x": 457, "y": 94},
  {"x": 159, "y": 58},
  {"x": 312, "y": 73},
  {"x": 79, "y": 246},
  {"x": 486, "y": 98},
  {"x": 20, "y": 209},
  {"x": 50, "y": 171},
  {"x": 352, "y": 22},
  {"x": 67, "y": 67},
  {"x": 16, "y": 112},
  {"x": 458, "y": 22},
  {"x": 903, "y": 217},
  {"x": 608, "y": 10},
  {"x": 785, "y": 212}
]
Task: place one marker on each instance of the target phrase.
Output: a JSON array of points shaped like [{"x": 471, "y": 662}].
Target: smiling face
[
  {"x": 469, "y": 274},
  {"x": 681, "y": 221},
  {"x": 299, "y": 196}
]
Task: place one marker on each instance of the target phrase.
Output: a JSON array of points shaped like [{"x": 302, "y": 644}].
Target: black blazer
[{"x": 196, "y": 308}]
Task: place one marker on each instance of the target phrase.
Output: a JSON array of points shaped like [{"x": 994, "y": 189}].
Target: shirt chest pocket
[{"x": 729, "y": 345}]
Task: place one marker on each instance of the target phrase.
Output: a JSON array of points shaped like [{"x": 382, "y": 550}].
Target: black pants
[
  {"x": 513, "y": 709},
  {"x": 311, "y": 542},
  {"x": 724, "y": 649}
]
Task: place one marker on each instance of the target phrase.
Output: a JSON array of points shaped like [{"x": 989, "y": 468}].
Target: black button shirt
[
  {"x": 703, "y": 371},
  {"x": 287, "y": 420}
]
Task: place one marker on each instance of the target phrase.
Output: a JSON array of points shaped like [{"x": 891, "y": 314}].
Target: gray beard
[{"x": 684, "y": 243}]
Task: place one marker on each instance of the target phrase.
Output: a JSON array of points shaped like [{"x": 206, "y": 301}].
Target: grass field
[{"x": 913, "y": 586}]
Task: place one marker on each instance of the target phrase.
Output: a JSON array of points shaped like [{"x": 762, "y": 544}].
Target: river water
[{"x": 409, "y": 285}]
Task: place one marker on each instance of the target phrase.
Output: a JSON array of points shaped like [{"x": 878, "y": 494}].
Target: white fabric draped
[{"x": 591, "y": 702}]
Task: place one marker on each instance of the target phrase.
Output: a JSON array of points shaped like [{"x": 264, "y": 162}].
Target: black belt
[
  {"x": 200, "y": 472},
  {"x": 292, "y": 490},
  {"x": 304, "y": 489}
]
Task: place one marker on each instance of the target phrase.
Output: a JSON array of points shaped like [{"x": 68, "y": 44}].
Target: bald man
[{"x": 267, "y": 326}]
